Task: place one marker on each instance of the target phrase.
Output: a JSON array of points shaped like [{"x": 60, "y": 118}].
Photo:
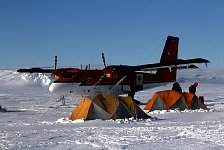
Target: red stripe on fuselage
[{"x": 91, "y": 77}]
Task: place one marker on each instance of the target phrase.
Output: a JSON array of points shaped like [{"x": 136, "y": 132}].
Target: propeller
[
  {"x": 55, "y": 62},
  {"x": 104, "y": 62}
]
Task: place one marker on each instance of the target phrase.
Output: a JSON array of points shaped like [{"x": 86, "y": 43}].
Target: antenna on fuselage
[
  {"x": 104, "y": 62},
  {"x": 55, "y": 62}
]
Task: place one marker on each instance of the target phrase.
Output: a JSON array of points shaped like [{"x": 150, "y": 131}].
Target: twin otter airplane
[{"x": 119, "y": 79}]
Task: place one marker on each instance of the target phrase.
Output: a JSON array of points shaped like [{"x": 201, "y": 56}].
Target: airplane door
[
  {"x": 139, "y": 82},
  {"x": 139, "y": 79}
]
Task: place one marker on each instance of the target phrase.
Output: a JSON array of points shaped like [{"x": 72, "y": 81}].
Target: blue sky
[{"x": 129, "y": 32}]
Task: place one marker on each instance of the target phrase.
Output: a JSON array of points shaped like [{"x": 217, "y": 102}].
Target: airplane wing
[{"x": 35, "y": 70}]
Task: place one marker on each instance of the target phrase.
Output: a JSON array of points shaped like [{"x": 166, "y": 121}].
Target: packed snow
[{"x": 32, "y": 118}]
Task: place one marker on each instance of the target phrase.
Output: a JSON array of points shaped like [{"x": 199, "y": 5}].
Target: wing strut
[{"x": 122, "y": 79}]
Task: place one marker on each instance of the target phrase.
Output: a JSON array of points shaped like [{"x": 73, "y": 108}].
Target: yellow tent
[
  {"x": 134, "y": 109},
  {"x": 104, "y": 107},
  {"x": 86, "y": 109}
]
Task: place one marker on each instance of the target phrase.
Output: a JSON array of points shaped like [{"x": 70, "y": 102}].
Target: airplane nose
[
  {"x": 57, "y": 88},
  {"x": 61, "y": 88}
]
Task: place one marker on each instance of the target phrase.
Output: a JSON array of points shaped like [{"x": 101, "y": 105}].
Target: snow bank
[
  {"x": 13, "y": 78},
  {"x": 177, "y": 111},
  {"x": 66, "y": 120},
  {"x": 36, "y": 79}
]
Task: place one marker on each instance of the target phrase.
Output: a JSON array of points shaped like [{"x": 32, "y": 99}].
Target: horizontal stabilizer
[
  {"x": 170, "y": 67},
  {"x": 192, "y": 61},
  {"x": 188, "y": 67},
  {"x": 178, "y": 64}
]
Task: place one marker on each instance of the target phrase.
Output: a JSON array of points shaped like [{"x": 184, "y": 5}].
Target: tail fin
[
  {"x": 170, "y": 51},
  {"x": 170, "y": 54}
]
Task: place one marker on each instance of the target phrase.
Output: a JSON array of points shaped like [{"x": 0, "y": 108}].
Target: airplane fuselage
[
  {"x": 92, "y": 82},
  {"x": 71, "y": 89}
]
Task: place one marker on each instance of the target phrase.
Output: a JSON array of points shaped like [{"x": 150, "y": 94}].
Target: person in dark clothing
[
  {"x": 176, "y": 87},
  {"x": 192, "y": 88}
]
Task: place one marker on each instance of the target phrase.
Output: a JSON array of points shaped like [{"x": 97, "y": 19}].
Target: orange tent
[
  {"x": 171, "y": 99},
  {"x": 166, "y": 100},
  {"x": 193, "y": 102},
  {"x": 104, "y": 107}
]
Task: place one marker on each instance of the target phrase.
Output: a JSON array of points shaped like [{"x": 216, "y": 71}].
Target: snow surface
[{"x": 32, "y": 119}]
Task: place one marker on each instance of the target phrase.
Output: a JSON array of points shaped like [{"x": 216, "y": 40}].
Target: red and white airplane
[{"x": 119, "y": 79}]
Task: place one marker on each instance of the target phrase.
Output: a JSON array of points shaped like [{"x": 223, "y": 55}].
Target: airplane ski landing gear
[{"x": 62, "y": 99}]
